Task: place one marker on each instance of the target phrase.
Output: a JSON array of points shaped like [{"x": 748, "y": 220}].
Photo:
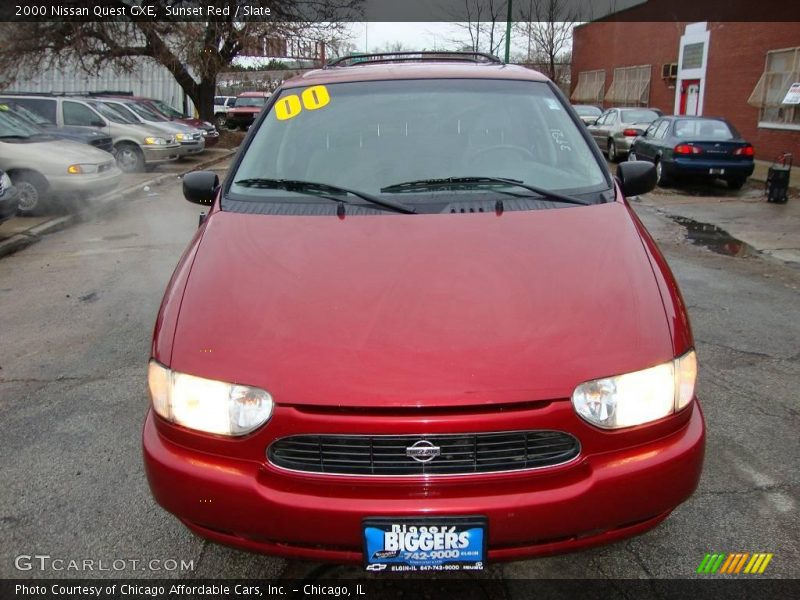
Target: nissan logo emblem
[{"x": 423, "y": 451}]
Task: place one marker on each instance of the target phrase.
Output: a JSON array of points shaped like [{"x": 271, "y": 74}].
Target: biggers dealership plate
[{"x": 450, "y": 544}]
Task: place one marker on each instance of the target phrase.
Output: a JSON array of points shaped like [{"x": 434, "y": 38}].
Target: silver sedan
[{"x": 615, "y": 130}]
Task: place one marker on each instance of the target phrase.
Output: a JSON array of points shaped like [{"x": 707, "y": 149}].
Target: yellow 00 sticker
[
  {"x": 287, "y": 107},
  {"x": 313, "y": 98}
]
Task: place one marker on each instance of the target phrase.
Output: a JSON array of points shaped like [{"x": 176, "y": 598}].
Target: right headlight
[
  {"x": 155, "y": 141},
  {"x": 205, "y": 404},
  {"x": 640, "y": 397}
]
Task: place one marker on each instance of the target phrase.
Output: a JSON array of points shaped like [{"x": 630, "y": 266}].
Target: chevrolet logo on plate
[{"x": 423, "y": 451}]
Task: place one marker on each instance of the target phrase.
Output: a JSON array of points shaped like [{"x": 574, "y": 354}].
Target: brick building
[{"x": 738, "y": 70}]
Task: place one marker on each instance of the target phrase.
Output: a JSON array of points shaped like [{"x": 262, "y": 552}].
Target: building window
[
  {"x": 781, "y": 70},
  {"x": 590, "y": 88},
  {"x": 692, "y": 56},
  {"x": 631, "y": 86}
]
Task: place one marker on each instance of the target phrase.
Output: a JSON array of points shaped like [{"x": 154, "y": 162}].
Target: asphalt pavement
[{"x": 76, "y": 315}]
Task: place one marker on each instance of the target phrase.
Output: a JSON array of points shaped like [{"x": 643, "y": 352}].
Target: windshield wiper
[
  {"x": 476, "y": 181},
  {"x": 296, "y": 185}
]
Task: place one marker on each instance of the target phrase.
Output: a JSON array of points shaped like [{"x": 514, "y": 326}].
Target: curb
[{"x": 101, "y": 205}]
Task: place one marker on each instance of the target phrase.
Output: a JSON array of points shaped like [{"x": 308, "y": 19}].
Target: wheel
[
  {"x": 736, "y": 184},
  {"x": 661, "y": 177},
  {"x": 129, "y": 158},
  {"x": 612, "y": 151},
  {"x": 31, "y": 193},
  {"x": 220, "y": 120}
]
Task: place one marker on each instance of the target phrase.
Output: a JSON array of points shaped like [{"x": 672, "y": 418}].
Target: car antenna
[
  {"x": 498, "y": 207},
  {"x": 340, "y": 210}
]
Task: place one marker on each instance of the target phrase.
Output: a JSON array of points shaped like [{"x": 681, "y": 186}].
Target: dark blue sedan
[{"x": 701, "y": 147}]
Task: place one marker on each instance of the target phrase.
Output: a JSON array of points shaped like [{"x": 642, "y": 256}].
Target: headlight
[
  {"x": 181, "y": 136},
  {"x": 155, "y": 141},
  {"x": 5, "y": 182},
  {"x": 81, "y": 169},
  {"x": 207, "y": 405},
  {"x": 639, "y": 397}
]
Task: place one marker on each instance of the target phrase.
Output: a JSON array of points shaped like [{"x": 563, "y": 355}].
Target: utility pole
[{"x": 508, "y": 32}]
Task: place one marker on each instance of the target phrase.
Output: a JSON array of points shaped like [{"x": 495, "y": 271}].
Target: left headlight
[
  {"x": 639, "y": 397},
  {"x": 5, "y": 182},
  {"x": 182, "y": 136},
  {"x": 156, "y": 141},
  {"x": 205, "y": 404},
  {"x": 81, "y": 169}
]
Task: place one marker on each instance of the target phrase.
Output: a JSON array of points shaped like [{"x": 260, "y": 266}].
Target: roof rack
[
  {"x": 53, "y": 93},
  {"x": 421, "y": 56}
]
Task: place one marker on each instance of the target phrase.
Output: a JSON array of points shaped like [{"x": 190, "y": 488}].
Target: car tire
[
  {"x": 736, "y": 184},
  {"x": 612, "y": 152},
  {"x": 661, "y": 178},
  {"x": 221, "y": 120},
  {"x": 31, "y": 193},
  {"x": 129, "y": 158}
]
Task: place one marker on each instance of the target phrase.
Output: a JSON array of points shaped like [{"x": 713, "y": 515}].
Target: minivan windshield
[
  {"x": 112, "y": 113},
  {"x": 12, "y": 126},
  {"x": 144, "y": 112},
  {"x": 374, "y": 136}
]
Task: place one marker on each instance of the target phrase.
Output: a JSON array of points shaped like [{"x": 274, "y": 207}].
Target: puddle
[{"x": 712, "y": 237}]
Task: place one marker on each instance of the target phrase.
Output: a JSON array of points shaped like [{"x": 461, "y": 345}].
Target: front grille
[
  {"x": 458, "y": 453},
  {"x": 102, "y": 143}
]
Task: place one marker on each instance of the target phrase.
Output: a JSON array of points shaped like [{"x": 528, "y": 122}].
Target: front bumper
[
  {"x": 211, "y": 138},
  {"x": 160, "y": 154},
  {"x": 597, "y": 498},
  {"x": 90, "y": 184},
  {"x": 192, "y": 148}
]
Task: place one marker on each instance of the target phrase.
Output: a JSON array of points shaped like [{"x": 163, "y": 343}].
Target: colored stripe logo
[{"x": 735, "y": 563}]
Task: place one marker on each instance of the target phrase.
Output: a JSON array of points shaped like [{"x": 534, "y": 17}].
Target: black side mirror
[
  {"x": 98, "y": 123},
  {"x": 636, "y": 177},
  {"x": 200, "y": 187}
]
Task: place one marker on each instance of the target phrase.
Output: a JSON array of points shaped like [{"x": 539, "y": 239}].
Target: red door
[{"x": 690, "y": 96}]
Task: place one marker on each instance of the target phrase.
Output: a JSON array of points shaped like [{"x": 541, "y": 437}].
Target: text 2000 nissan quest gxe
[{"x": 421, "y": 328}]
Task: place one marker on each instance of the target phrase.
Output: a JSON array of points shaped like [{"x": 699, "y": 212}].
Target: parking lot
[{"x": 77, "y": 315}]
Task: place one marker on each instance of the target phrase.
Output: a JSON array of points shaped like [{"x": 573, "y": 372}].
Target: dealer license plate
[
  {"x": 425, "y": 544},
  {"x": 716, "y": 171}
]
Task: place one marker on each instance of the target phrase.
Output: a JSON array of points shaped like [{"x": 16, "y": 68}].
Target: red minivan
[{"x": 420, "y": 329}]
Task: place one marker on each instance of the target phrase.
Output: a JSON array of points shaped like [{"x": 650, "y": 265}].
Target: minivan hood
[
  {"x": 421, "y": 310},
  {"x": 47, "y": 153}
]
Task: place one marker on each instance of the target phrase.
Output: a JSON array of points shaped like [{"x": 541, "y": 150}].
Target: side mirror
[
  {"x": 98, "y": 123},
  {"x": 636, "y": 177},
  {"x": 200, "y": 187}
]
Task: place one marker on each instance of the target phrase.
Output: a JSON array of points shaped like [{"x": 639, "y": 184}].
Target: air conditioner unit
[{"x": 669, "y": 71}]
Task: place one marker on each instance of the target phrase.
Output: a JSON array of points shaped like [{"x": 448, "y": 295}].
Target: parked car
[
  {"x": 43, "y": 168},
  {"x": 76, "y": 134},
  {"x": 191, "y": 140},
  {"x": 221, "y": 106},
  {"x": 136, "y": 146},
  {"x": 210, "y": 132},
  {"x": 587, "y": 113},
  {"x": 616, "y": 129},
  {"x": 8, "y": 197},
  {"x": 410, "y": 322},
  {"x": 704, "y": 147},
  {"x": 245, "y": 109}
]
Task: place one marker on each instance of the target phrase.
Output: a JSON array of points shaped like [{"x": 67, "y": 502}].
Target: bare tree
[
  {"x": 547, "y": 26},
  {"x": 193, "y": 52},
  {"x": 484, "y": 28}
]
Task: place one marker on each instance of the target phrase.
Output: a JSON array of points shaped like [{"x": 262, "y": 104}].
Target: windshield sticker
[
  {"x": 560, "y": 140},
  {"x": 552, "y": 104},
  {"x": 312, "y": 98}
]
